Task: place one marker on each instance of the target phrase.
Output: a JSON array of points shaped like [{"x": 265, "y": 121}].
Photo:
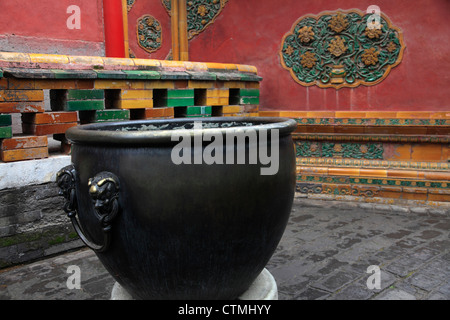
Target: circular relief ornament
[
  {"x": 149, "y": 33},
  {"x": 341, "y": 49}
]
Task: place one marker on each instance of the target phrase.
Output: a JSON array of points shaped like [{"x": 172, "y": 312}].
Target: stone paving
[{"x": 324, "y": 255}]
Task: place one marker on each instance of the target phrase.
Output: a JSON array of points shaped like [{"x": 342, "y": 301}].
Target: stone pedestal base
[{"x": 263, "y": 288}]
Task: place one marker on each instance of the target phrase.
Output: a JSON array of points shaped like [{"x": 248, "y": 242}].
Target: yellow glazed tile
[
  {"x": 231, "y": 66},
  {"x": 117, "y": 61},
  {"x": 147, "y": 62},
  {"x": 195, "y": 66},
  {"x": 198, "y": 84},
  {"x": 133, "y": 104},
  {"x": 111, "y": 84},
  {"x": 21, "y": 95},
  {"x": 413, "y": 114},
  {"x": 136, "y": 94},
  {"x": 269, "y": 113},
  {"x": 15, "y": 57},
  {"x": 89, "y": 60},
  {"x": 159, "y": 84},
  {"x": 55, "y": 84},
  {"x": 293, "y": 114},
  {"x": 252, "y": 85},
  {"x": 137, "y": 84},
  {"x": 232, "y": 109},
  {"x": 213, "y": 65},
  {"x": 48, "y": 58},
  {"x": 440, "y": 115},
  {"x": 350, "y": 114},
  {"x": 169, "y": 64},
  {"x": 381, "y": 114},
  {"x": 216, "y": 101},
  {"x": 321, "y": 114},
  {"x": 247, "y": 68},
  {"x": 217, "y": 93},
  {"x": 234, "y": 84}
]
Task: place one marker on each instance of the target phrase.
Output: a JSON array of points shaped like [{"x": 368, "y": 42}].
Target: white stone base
[
  {"x": 24, "y": 173},
  {"x": 263, "y": 288}
]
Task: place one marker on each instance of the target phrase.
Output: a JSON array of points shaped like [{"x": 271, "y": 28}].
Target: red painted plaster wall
[
  {"x": 41, "y": 26},
  {"x": 251, "y": 31},
  {"x": 157, "y": 10}
]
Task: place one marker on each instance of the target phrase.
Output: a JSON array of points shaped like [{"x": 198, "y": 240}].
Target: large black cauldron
[{"x": 171, "y": 230}]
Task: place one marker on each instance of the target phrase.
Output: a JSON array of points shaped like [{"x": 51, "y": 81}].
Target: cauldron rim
[{"x": 108, "y": 133}]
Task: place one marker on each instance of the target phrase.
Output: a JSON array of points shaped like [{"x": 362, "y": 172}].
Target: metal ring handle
[{"x": 104, "y": 193}]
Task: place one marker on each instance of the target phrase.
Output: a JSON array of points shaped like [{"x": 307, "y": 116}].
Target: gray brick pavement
[{"x": 324, "y": 254}]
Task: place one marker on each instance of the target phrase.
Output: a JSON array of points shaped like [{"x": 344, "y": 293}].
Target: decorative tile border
[
  {"x": 317, "y": 179},
  {"x": 340, "y": 153},
  {"x": 50, "y": 66},
  {"x": 356, "y": 163},
  {"x": 342, "y": 150}
]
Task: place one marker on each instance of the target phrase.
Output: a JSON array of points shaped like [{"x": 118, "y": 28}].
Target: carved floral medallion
[
  {"x": 340, "y": 49},
  {"x": 149, "y": 33}
]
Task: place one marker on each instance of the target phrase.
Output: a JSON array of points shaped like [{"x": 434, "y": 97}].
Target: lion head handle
[
  {"x": 65, "y": 179},
  {"x": 104, "y": 192}
]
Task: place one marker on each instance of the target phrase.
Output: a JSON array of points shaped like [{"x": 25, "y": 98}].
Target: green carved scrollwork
[
  {"x": 339, "y": 150},
  {"x": 352, "y": 150},
  {"x": 307, "y": 149},
  {"x": 167, "y": 4},
  {"x": 200, "y": 13},
  {"x": 337, "y": 49},
  {"x": 130, "y": 4}
]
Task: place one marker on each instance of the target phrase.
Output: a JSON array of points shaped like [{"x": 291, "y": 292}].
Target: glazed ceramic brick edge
[{"x": 46, "y": 61}]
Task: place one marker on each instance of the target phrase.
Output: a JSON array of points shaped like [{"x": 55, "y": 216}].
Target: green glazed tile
[
  {"x": 142, "y": 74},
  {"x": 5, "y": 120},
  {"x": 85, "y": 105},
  {"x": 249, "y": 92},
  {"x": 5, "y": 132},
  {"x": 180, "y": 93},
  {"x": 111, "y": 74},
  {"x": 249, "y": 100},
  {"x": 23, "y": 73},
  {"x": 74, "y": 74},
  {"x": 180, "y": 102},
  {"x": 85, "y": 94},
  {"x": 166, "y": 75},
  {"x": 112, "y": 115}
]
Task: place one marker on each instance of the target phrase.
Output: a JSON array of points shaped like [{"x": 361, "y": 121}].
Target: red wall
[
  {"x": 251, "y": 31},
  {"x": 157, "y": 10},
  {"x": 41, "y": 26}
]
